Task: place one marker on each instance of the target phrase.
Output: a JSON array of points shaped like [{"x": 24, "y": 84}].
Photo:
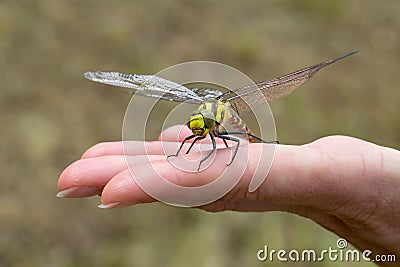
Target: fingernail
[
  {"x": 79, "y": 191},
  {"x": 116, "y": 205}
]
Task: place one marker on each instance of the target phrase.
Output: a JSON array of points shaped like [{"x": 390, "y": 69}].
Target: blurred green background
[{"x": 50, "y": 114}]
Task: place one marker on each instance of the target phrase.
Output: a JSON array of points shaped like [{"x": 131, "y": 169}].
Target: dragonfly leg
[
  {"x": 180, "y": 148},
  {"x": 195, "y": 140},
  {"x": 251, "y": 135},
  {"x": 262, "y": 141},
  {"x": 225, "y": 142},
  {"x": 212, "y": 151},
  {"x": 234, "y": 139}
]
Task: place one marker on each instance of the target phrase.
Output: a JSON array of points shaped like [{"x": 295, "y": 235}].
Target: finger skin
[
  {"x": 307, "y": 173},
  {"x": 294, "y": 174},
  {"x": 104, "y": 149},
  {"x": 347, "y": 185},
  {"x": 100, "y": 163},
  {"x": 176, "y": 133},
  {"x": 121, "y": 148},
  {"x": 91, "y": 172}
]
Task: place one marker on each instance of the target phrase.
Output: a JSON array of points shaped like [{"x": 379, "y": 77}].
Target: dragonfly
[{"x": 215, "y": 107}]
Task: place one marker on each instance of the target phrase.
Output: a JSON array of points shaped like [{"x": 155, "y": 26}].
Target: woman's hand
[{"x": 349, "y": 186}]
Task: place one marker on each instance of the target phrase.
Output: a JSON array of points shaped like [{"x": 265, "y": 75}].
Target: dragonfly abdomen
[{"x": 240, "y": 126}]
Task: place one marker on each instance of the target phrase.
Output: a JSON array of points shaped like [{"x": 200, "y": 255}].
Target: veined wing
[
  {"x": 274, "y": 89},
  {"x": 147, "y": 85},
  {"x": 208, "y": 94}
]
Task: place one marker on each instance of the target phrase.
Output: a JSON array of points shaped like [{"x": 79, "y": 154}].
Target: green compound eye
[{"x": 208, "y": 118}]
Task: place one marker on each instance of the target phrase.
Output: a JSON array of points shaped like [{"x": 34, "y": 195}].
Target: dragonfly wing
[
  {"x": 274, "y": 89},
  {"x": 146, "y": 85},
  {"x": 267, "y": 91},
  {"x": 207, "y": 93}
]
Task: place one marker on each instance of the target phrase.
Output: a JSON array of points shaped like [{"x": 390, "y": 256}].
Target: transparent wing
[
  {"x": 241, "y": 99},
  {"x": 146, "y": 85},
  {"x": 207, "y": 93}
]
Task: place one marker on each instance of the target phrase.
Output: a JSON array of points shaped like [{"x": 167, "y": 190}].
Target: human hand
[{"x": 349, "y": 186}]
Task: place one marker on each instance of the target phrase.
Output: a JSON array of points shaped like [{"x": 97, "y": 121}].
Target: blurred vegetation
[{"x": 50, "y": 114}]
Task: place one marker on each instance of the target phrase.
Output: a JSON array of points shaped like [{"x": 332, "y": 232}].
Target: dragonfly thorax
[{"x": 208, "y": 117}]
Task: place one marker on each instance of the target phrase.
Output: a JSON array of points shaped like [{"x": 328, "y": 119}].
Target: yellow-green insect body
[{"x": 209, "y": 117}]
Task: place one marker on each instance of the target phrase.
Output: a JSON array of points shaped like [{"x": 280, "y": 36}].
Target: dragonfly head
[{"x": 201, "y": 121}]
